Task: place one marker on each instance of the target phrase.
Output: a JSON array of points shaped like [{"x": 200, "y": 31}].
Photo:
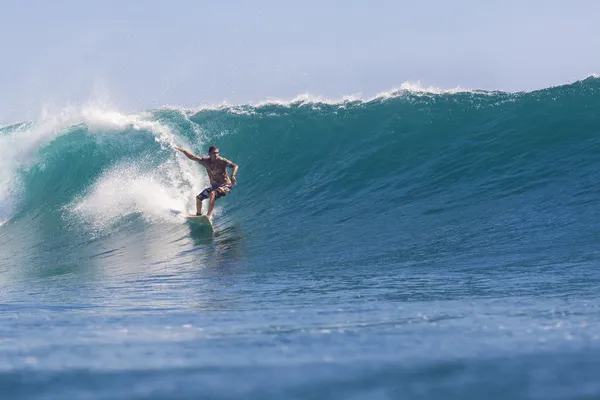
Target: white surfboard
[{"x": 199, "y": 221}]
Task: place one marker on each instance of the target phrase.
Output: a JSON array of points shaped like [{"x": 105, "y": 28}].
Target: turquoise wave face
[{"x": 392, "y": 173}]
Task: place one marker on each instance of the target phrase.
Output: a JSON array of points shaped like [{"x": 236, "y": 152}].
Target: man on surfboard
[{"x": 220, "y": 183}]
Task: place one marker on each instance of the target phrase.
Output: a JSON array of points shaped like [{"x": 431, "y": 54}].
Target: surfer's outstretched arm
[{"x": 188, "y": 154}]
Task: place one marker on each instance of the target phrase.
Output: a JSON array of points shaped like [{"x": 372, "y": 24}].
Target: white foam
[
  {"x": 417, "y": 88},
  {"x": 103, "y": 119},
  {"x": 308, "y": 99},
  {"x": 129, "y": 188}
]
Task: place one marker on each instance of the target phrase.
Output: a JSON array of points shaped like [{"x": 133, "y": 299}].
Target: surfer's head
[{"x": 213, "y": 152}]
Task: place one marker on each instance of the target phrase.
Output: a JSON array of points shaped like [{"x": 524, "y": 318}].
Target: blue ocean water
[{"x": 419, "y": 245}]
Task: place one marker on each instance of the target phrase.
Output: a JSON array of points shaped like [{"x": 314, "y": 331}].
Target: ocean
[{"x": 421, "y": 244}]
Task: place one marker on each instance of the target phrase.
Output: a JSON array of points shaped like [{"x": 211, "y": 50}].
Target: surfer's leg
[
  {"x": 203, "y": 195},
  {"x": 198, "y": 206},
  {"x": 213, "y": 197}
]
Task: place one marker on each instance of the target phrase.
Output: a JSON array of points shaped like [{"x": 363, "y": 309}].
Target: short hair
[{"x": 211, "y": 149}]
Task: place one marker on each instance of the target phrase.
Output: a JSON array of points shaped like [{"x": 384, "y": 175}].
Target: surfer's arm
[
  {"x": 188, "y": 154},
  {"x": 235, "y": 170}
]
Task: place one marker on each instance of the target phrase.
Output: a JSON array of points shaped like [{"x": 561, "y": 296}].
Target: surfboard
[
  {"x": 199, "y": 221},
  {"x": 196, "y": 222}
]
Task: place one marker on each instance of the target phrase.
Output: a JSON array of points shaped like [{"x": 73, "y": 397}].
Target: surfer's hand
[
  {"x": 233, "y": 180},
  {"x": 179, "y": 148}
]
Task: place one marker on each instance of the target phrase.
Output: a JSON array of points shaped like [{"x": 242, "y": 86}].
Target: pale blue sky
[{"x": 144, "y": 54}]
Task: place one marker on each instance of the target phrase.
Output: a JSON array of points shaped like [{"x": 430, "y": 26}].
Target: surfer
[{"x": 220, "y": 183}]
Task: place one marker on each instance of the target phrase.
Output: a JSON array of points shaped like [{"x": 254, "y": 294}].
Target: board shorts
[{"x": 220, "y": 191}]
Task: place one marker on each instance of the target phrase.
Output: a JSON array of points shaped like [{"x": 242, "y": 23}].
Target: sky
[{"x": 140, "y": 54}]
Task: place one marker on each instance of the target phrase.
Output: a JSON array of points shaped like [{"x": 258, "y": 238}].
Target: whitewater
[{"x": 422, "y": 243}]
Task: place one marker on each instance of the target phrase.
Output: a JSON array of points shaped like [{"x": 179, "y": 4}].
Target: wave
[{"x": 351, "y": 164}]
